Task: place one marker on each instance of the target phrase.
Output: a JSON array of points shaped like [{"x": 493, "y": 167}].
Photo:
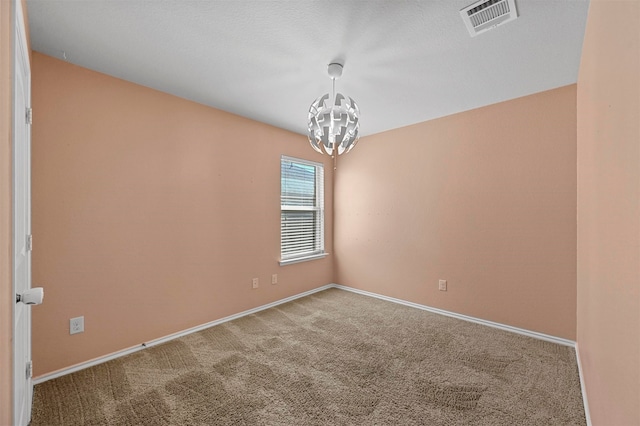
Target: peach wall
[
  {"x": 485, "y": 199},
  {"x": 609, "y": 212},
  {"x": 6, "y": 289},
  {"x": 151, "y": 214}
]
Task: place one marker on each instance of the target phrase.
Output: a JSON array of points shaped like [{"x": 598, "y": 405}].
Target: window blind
[{"x": 301, "y": 208}]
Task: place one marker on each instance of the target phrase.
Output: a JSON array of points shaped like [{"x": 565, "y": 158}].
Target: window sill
[{"x": 303, "y": 259}]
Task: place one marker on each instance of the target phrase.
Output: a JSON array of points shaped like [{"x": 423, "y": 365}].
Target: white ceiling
[{"x": 405, "y": 61}]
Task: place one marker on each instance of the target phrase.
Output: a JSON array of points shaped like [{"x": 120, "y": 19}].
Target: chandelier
[{"x": 333, "y": 121}]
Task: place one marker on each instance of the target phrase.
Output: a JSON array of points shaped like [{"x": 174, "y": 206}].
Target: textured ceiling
[{"x": 405, "y": 61}]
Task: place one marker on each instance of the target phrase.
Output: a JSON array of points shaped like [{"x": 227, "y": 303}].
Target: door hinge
[
  {"x": 29, "y": 116},
  {"x": 29, "y": 242},
  {"x": 29, "y": 369}
]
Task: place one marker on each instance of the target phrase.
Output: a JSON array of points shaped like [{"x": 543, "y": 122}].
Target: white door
[{"x": 23, "y": 388}]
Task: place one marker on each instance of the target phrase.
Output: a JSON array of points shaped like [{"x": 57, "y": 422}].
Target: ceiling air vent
[{"x": 485, "y": 15}]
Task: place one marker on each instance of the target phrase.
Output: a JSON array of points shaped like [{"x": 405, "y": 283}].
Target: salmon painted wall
[
  {"x": 151, "y": 214},
  {"x": 6, "y": 204},
  {"x": 609, "y": 212},
  {"x": 485, "y": 199}
]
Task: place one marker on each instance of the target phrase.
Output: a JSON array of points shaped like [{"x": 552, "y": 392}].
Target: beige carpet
[{"x": 332, "y": 358}]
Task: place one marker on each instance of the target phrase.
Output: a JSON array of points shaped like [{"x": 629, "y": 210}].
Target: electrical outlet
[
  {"x": 76, "y": 325},
  {"x": 442, "y": 285},
  {"x": 255, "y": 283},
  {"x": 274, "y": 279}
]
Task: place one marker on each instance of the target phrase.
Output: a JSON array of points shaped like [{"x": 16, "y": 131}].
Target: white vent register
[{"x": 485, "y": 15}]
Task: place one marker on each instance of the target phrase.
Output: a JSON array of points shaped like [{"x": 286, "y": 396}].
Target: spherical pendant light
[{"x": 334, "y": 120}]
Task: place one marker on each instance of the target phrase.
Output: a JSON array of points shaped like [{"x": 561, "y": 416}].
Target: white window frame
[{"x": 318, "y": 208}]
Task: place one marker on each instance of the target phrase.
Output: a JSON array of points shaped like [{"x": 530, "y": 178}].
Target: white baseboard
[
  {"x": 130, "y": 350},
  {"x": 127, "y": 351},
  {"x": 583, "y": 387},
  {"x": 504, "y": 327}
]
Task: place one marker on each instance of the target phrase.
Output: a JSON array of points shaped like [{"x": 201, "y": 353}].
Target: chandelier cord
[{"x": 335, "y": 147}]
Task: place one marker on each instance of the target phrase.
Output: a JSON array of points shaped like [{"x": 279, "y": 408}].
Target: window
[{"x": 301, "y": 210}]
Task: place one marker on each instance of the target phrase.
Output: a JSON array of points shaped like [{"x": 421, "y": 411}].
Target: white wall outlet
[
  {"x": 274, "y": 279},
  {"x": 76, "y": 325},
  {"x": 442, "y": 285},
  {"x": 255, "y": 283}
]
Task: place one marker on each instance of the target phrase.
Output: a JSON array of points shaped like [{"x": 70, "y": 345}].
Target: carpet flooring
[{"x": 331, "y": 358}]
